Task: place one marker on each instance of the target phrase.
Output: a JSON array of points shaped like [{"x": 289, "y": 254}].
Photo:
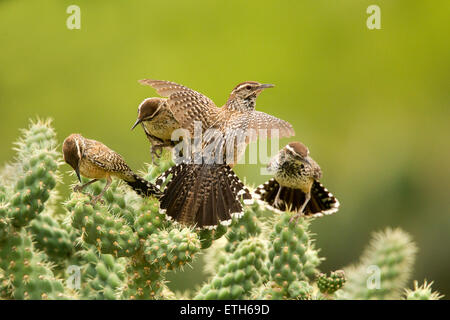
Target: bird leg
[
  {"x": 79, "y": 188},
  {"x": 156, "y": 146},
  {"x": 300, "y": 212},
  {"x": 100, "y": 195},
  {"x": 157, "y": 151},
  {"x": 277, "y": 201}
]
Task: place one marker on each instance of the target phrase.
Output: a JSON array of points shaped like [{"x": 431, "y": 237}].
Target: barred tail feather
[
  {"x": 202, "y": 195},
  {"x": 143, "y": 187},
  {"x": 322, "y": 202}
]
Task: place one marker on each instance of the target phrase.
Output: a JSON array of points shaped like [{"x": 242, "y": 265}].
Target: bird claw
[
  {"x": 277, "y": 203},
  {"x": 156, "y": 152},
  {"x": 96, "y": 199},
  {"x": 77, "y": 188}
]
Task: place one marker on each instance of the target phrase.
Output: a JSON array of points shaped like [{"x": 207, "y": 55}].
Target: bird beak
[
  {"x": 265, "y": 86},
  {"x": 305, "y": 160},
  {"x": 77, "y": 171},
  {"x": 136, "y": 123}
]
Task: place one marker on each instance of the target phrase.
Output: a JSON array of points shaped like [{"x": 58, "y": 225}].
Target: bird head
[
  {"x": 73, "y": 148},
  {"x": 147, "y": 110},
  {"x": 245, "y": 93},
  {"x": 298, "y": 152}
]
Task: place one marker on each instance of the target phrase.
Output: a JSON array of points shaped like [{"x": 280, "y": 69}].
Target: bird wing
[
  {"x": 258, "y": 124},
  {"x": 238, "y": 130},
  {"x": 105, "y": 158},
  {"x": 187, "y": 105}
]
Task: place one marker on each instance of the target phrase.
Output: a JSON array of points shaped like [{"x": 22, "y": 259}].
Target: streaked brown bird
[
  {"x": 237, "y": 119},
  {"x": 210, "y": 193},
  {"x": 94, "y": 160},
  {"x": 158, "y": 122},
  {"x": 295, "y": 185}
]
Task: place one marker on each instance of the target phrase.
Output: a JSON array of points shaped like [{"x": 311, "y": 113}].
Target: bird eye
[{"x": 248, "y": 87}]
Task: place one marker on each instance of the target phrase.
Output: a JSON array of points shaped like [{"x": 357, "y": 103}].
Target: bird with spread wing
[{"x": 210, "y": 190}]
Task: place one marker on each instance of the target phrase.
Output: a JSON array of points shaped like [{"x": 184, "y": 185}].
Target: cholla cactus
[
  {"x": 243, "y": 271},
  {"x": 26, "y": 272},
  {"x": 423, "y": 292},
  {"x": 384, "y": 269},
  {"x": 103, "y": 275},
  {"x": 330, "y": 284},
  {"x": 125, "y": 247}
]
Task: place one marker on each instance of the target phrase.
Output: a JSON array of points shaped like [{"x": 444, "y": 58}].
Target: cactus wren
[
  {"x": 236, "y": 119},
  {"x": 296, "y": 185},
  {"x": 94, "y": 160},
  {"x": 158, "y": 122},
  {"x": 209, "y": 193}
]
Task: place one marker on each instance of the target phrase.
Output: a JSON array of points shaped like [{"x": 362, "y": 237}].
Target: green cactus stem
[
  {"x": 292, "y": 255},
  {"x": 109, "y": 234},
  {"x": 171, "y": 249},
  {"x": 51, "y": 238},
  {"x": 103, "y": 275},
  {"x": 244, "y": 270},
  {"x": 144, "y": 282},
  {"x": 384, "y": 269},
  {"x": 330, "y": 284},
  {"x": 26, "y": 273},
  {"x": 423, "y": 292}
]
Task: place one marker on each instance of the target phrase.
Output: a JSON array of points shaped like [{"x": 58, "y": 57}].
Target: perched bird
[
  {"x": 158, "y": 122},
  {"x": 209, "y": 193},
  {"x": 296, "y": 185},
  {"x": 237, "y": 119},
  {"x": 94, "y": 160}
]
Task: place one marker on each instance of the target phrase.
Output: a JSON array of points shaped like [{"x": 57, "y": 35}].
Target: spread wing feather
[
  {"x": 260, "y": 124},
  {"x": 187, "y": 105},
  {"x": 105, "y": 158}
]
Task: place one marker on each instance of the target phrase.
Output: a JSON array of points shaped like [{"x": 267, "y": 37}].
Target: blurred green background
[{"x": 372, "y": 105}]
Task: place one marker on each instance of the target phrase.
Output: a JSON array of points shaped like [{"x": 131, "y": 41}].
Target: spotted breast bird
[
  {"x": 295, "y": 185},
  {"x": 211, "y": 192},
  {"x": 158, "y": 122},
  {"x": 94, "y": 160}
]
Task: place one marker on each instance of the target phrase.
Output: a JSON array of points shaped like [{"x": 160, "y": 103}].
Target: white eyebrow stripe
[
  {"x": 78, "y": 148},
  {"x": 291, "y": 149},
  {"x": 243, "y": 85}
]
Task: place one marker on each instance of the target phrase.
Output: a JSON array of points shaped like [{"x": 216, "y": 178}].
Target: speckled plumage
[
  {"x": 186, "y": 104},
  {"x": 296, "y": 185},
  {"x": 202, "y": 195},
  {"x": 93, "y": 160},
  {"x": 208, "y": 193},
  {"x": 245, "y": 126},
  {"x": 235, "y": 119},
  {"x": 158, "y": 122},
  {"x": 98, "y": 161},
  {"x": 294, "y": 174}
]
